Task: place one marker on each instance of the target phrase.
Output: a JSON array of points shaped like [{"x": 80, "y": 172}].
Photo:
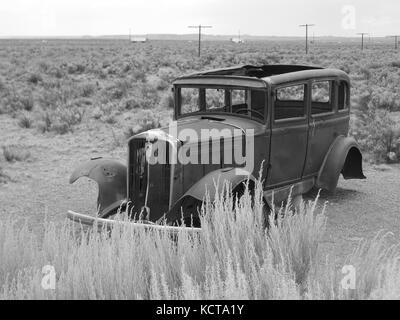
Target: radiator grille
[{"x": 140, "y": 173}]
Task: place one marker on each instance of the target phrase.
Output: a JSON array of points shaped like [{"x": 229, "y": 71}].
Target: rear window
[
  {"x": 321, "y": 93},
  {"x": 290, "y": 102}
]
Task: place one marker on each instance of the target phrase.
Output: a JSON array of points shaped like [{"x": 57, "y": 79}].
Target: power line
[
  {"x": 395, "y": 41},
  {"x": 362, "y": 39},
  {"x": 306, "y": 26},
  {"x": 200, "y": 27}
]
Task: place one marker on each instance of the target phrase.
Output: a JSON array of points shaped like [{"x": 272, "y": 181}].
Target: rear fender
[
  {"x": 344, "y": 156},
  {"x": 110, "y": 176},
  {"x": 210, "y": 185}
]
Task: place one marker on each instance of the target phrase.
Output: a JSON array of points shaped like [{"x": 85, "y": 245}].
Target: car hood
[{"x": 194, "y": 129}]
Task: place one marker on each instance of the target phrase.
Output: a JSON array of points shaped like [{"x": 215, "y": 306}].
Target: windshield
[{"x": 241, "y": 101}]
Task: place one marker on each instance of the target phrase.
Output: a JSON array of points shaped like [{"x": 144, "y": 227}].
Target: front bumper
[{"x": 89, "y": 220}]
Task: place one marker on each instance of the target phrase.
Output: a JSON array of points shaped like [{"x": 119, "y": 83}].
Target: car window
[
  {"x": 248, "y": 102},
  {"x": 321, "y": 92},
  {"x": 189, "y": 100},
  {"x": 238, "y": 98},
  {"x": 343, "y": 96},
  {"x": 239, "y": 101},
  {"x": 215, "y": 100},
  {"x": 290, "y": 102}
]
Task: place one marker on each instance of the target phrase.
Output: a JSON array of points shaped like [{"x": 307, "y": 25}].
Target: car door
[
  {"x": 323, "y": 123},
  {"x": 289, "y": 134}
]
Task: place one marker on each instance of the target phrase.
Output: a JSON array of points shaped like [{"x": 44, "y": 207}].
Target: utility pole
[
  {"x": 307, "y": 25},
  {"x": 200, "y": 27},
  {"x": 362, "y": 39},
  {"x": 395, "y": 41}
]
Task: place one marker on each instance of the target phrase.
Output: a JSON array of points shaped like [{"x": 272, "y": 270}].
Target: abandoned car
[{"x": 291, "y": 121}]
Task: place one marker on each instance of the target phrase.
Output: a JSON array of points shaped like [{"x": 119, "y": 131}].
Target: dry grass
[
  {"x": 13, "y": 153},
  {"x": 3, "y": 177},
  {"x": 234, "y": 257}
]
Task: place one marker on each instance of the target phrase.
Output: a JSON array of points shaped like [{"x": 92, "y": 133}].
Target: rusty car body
[{"x": 299, "y": 116}]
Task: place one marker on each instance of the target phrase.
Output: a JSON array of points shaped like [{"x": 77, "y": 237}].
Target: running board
[{"x": 281, "y": 194}]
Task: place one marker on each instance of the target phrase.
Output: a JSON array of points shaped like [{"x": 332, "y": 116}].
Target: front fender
[
  {"x": 110, "y": 176},
  {"x": 211, "y": 184},
  {"x": 344, "y": 156}
]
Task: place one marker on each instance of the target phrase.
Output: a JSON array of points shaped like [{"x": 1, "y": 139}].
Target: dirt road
[{"x": 39, "y": 186}]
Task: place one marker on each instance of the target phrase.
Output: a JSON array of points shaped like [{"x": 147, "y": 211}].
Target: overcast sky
[{"x": 255, "y": 17}]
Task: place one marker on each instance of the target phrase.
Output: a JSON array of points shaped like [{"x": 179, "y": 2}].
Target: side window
[
  {"x": 290, "y": 102},
  {"x": 343, "y": 101},
  {"x": 321, "y": 92},
  {"x": 189, "y": 100}
]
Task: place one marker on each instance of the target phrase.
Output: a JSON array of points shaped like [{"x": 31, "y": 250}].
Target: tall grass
[{"x": 233, "y": 257}]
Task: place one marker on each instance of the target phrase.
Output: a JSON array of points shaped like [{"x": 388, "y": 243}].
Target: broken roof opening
[{"x": 256, "y": 71}]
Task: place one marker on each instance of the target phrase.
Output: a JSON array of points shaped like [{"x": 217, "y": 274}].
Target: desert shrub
[
  {"x": 110, "y": 118},
  {"x": 60, "y": 120},
  {"x": 144, "y": 120},
  {"x": 167, "y": 101},
  {"x": 65, "y": 94},
  {"x": 66, "y": 117},
  {"x": 87, "y": 90},
  {"x": 376, "y": 131},
  {"x": 13, "y": 153},
  {"x": 106, "y": 112},
  {"x": 45, "y": 122},
  {"x": 130, "y": 103},
  {"x": 57, "y": 72},
  {"x": 119, "y": 89},
  {"x": 156, "y": 82},
  {"x": 35, "y": 78},
  {"x": 167, "y": 74},
  {"x": 16, "y": 101},
  {"x": 139, "y": 75},
  {"x": 43, "y": 66},
  {"x": 76, "y": 68},
  {"x": 144, "y": 97},
  {"x": 25, "y": 120},
  {"x": 366, "y": 73},
  {"x": 27, "y": 102},
  {"x": 4, "y": 178},
  {"x": 395, "y": 64}
]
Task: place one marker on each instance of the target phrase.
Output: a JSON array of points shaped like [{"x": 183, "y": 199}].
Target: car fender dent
[
  {"x": 334, "y": 162},
  {"x": 110, "y": 176}
]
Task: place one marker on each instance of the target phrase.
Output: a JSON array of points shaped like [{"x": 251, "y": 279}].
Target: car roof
[{"x": 260, "y": 76}]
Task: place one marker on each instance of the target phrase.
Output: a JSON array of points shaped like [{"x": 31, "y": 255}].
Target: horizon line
[{"x": 178, "y": 35}]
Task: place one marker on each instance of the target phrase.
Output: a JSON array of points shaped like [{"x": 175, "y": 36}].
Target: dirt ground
[{"x": 39, "y": 187}]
